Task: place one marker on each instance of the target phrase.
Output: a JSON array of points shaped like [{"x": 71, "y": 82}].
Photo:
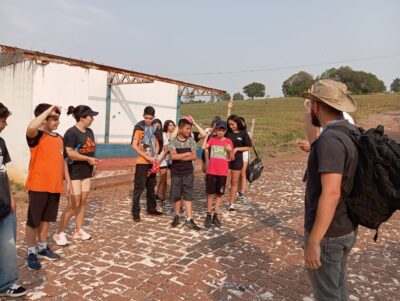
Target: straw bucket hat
[{"x": 333, "y": 93}]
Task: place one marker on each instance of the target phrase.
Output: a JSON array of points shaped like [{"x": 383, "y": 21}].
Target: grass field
[{"x": 279, "y": 121}]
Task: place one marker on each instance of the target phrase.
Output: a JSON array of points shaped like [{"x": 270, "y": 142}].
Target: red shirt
[{"x": 219, "y": 156}]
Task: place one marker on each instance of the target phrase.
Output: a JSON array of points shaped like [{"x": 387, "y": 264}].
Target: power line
[{"x": 291, "y": 67}]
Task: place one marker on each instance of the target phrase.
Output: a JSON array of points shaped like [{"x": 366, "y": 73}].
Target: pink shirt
[{"x": 219, "y": 156}]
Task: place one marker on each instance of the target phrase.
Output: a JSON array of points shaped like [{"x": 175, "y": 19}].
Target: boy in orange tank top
[{"x": 47, "y": 170}]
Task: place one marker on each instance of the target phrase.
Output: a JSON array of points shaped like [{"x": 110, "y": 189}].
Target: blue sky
[{"x": 213, "y": 42}]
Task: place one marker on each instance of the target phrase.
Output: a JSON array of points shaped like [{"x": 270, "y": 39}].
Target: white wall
[
  {"x": 129, "y": 101},
  {"x": 16, "y": 88},
  {"x": 26, "y": 84}
]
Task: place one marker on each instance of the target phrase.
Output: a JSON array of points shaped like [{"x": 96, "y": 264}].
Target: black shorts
[
  {"x": 215, "y": 184},
  {"x": 236, "y": 164},
  {"x": 43, "y": 207},
  {"x": 182, "y": 188}
]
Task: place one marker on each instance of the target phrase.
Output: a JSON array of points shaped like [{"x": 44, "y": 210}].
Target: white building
[{"x": 28, "y": 78}]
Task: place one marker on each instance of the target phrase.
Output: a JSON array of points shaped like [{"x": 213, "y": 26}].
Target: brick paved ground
[{"x": 256, "y": 255}]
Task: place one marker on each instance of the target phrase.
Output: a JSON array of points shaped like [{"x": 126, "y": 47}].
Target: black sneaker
[
  {"x": 136, "y": 218},
  {"x": 32, "y": 262},
  {"x": 47, "y": 254},
  {"x": 192, "y": 225},
  {"x": 176, "y": 221},
  {"x": 207, "y": 221},
  {"x": 154, "y": 212},
  {"x": 216, "y": 221},
  {"x": 14, "y": 291}
]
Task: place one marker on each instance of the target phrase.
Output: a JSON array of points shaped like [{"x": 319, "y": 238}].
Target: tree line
[{"x": 357, "y": 82}]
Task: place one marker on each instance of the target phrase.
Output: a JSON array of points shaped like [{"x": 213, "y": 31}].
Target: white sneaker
[
  {"x": 82, "y": 234},
  {"x": 61, "y": 239}
]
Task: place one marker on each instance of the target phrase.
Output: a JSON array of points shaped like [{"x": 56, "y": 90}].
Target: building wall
[
  {"x": 16, "y": 89},
  {"x": 26, "y": 84}
]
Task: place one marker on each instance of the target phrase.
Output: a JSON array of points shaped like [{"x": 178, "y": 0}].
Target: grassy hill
[{"x": 279, "y": 121}]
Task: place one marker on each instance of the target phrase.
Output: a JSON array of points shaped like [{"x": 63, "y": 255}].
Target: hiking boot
[
  {"x": 192, "y": 225},
  {"x": 32, "y": 262},
  {"x": 216, "y": 221},
  {"x": 14, "y": 291},
  {"x": 154, "y": 212},
  {"x": 47, "y": 254},
  {"x": 82, "y": 235},
  {"x": 176, "y": 221},
  {"x": 61, "y": 239},
  {"x": 207, "y": 221}
]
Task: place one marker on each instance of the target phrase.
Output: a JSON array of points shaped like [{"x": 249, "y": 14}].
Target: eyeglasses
[{"x": 53, "y": 118}]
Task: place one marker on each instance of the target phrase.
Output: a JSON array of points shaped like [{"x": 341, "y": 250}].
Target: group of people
[
  {"x": 329, "y": 232},
  {"x": 57, "y": 164},
  {"x": 169, "y": 147}
]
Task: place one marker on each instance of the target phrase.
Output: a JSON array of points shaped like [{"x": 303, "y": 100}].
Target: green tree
[
  {"x": 357, "y": 82},
  {"x": 254, "y": 90},
  {"x": 237, "y": 96},
  {"x": 395, "y": 86},
  {"x": 224, "y": 97},
  {"x": 297, "y": 83}
]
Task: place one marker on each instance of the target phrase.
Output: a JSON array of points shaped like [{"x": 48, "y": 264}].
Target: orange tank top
[{"x": 46, "y": 166}]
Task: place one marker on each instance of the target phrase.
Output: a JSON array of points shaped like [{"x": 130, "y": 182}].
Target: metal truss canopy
[
  {"x": 124, "y": 79},
  {"x": 116, "y": 76}
]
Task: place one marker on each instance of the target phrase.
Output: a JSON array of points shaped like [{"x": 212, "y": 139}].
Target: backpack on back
[
  {"x": 255, "y": 169},
  {"x": 375, "y": 194}
]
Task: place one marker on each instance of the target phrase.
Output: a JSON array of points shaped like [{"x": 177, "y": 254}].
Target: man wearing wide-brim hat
[{"x": 332, "y": 162}]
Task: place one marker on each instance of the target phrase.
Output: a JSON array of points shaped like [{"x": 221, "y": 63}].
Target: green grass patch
[{"x": 279, "y": 121}]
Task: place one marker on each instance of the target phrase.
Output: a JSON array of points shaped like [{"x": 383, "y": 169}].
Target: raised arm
[{"x": 33, "y": 127}]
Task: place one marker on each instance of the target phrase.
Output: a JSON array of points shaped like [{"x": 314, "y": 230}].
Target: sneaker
[
  {"x": 47, "y": 254},
  {"x": 14, "y": 291},
  {"x": 176, "y": 221},
  {"x": 207, "y": 221},
  {"x": 231, "y": 208},
  {"x": 216, "y": 221},
  {"x": 136, "y": 218},
  {"x": 61, "y": 239},
  {"x": 32, "y": 262},
  {"x": 240, "y": 197},
  {"x": 82, "y": 234},
  {"x": 154, "y": 212},
  {"x": 192, "y": 225}
]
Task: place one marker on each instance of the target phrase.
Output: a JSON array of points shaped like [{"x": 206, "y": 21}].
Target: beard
[{"x": 314, "y": 120}]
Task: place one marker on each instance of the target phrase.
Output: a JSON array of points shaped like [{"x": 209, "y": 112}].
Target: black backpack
[
  {"x": 375, "y": 194},
  {"x": 254, "y": 169}
]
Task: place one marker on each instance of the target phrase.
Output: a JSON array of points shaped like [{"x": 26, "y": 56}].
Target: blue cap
[{"x": 220, "y": 124}]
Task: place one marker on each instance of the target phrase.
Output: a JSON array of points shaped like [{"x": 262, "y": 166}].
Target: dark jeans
[
  {"x": 142, "y": 182},
  {"x": 329, "y": 282}
]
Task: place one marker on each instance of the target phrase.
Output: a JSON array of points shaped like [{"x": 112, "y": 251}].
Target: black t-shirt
[
  {"x": 5, "y": 194},
  {"x": 241, "y": 139},
  {"x": 83, "y": 143},
  {"x": 332, "y": 152}
]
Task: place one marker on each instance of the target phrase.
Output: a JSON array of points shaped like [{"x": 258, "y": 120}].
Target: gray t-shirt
[
  {"x": 180, "y": 167},
  {"x": 332, "y": 152}
]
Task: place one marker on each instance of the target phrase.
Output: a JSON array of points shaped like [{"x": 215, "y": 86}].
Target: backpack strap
[{"x": 254, "y": 148}]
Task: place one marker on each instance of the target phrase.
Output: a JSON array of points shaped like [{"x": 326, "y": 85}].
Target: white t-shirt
[{"x": 164, "y": 163}]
